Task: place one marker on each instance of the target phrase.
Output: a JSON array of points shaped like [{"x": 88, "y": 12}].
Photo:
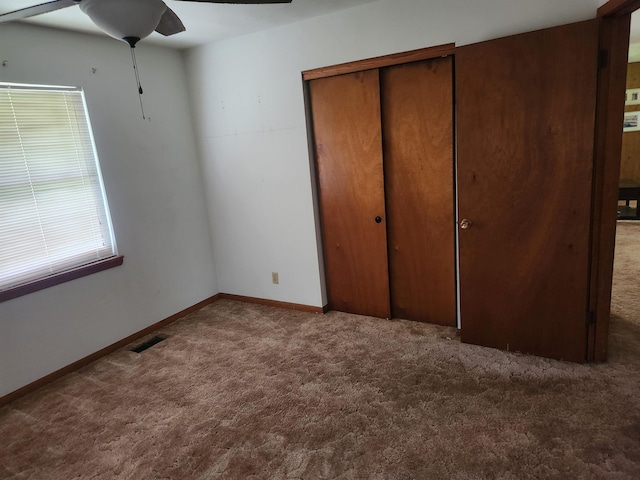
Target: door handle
[
  {"x": 378, "y": 219},
  {"x": 465, "y": 224}
]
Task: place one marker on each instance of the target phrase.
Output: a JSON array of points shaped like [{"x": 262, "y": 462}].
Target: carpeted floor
[{"x": 242, "y": 391}]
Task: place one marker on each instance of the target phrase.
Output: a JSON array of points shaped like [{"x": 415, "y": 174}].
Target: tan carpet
[{"x": 241, "y": 391}]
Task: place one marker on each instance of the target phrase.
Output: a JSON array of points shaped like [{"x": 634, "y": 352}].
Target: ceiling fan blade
[
  {"x": 36, "y": 10},
  {"x": 169, "y": 24},
  {"x": 239, "y": 2}
]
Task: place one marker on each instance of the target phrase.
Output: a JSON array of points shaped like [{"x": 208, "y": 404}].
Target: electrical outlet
[{"x": 274, "y": 278}]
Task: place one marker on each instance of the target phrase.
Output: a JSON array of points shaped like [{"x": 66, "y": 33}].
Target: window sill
[{"x": 61, "y": 277}]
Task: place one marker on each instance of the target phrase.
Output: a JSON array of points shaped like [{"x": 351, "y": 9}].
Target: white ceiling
[
  {"x": 208, "y": 23},
  {"x": 205, "y": 23}
]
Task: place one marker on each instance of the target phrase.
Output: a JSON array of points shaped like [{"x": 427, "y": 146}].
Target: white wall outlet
[{"x": 274, "y": 278}]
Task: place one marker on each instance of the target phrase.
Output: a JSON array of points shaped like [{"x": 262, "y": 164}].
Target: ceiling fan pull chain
[{"x": 135, "y": 70}]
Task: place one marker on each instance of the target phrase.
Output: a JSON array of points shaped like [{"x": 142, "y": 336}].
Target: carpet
[{"x": 243, "y": 391}]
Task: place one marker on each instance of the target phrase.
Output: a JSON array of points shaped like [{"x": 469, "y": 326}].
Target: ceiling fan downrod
[{"x": 132, "y": 44}]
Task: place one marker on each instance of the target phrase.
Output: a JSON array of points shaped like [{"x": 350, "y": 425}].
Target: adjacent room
[{"x": 337, "y": 239}]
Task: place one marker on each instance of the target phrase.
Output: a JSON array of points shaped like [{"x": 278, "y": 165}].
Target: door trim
[
  {"x": 612, "y": 72},
  {"x": 379, "y": 62},
  {"x": 618, "y": 8}
]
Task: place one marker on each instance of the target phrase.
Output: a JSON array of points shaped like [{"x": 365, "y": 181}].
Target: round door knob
[
  {"x": 465, "y": 224},
  {"x": 378, "y": 219}
]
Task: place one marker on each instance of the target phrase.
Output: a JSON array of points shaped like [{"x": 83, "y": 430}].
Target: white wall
[
  {"x": 250, "y": 120},
  {"x": 153, "y": 181}
]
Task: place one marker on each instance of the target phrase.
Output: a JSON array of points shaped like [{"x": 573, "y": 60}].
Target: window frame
[
  {"x": 60, "y": 277},
  {"x": 80, "y": 270}
]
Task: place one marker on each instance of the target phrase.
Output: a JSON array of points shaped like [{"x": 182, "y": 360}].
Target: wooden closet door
[
  {"x": 348, "y": 150},
  {"x": 417, "y": 128},
  {"x": 526, "y": 108}
]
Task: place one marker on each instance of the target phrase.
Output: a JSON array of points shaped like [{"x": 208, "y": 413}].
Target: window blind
[{"x": 53, "y": 210}]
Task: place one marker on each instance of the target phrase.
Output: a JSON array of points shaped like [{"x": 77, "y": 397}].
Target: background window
[{"x": 53, "y": 210}]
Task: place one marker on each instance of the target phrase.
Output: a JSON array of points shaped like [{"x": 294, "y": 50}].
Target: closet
[
  {"x": 383, "y": 143},
  {"x": 526, "y": 193}
]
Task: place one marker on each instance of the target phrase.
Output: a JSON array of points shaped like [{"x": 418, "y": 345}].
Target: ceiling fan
[{"x": 127, "y": 20}]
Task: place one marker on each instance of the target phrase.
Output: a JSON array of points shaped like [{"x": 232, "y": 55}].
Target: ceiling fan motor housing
[{"x": 124, "y": 19}]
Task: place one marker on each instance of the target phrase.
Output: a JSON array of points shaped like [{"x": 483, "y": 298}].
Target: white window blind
[{"x": 53, "y": 211}]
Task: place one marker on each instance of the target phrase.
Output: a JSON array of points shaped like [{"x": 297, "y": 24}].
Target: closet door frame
[
  {"x": 342, "y": 69},
  {"x": 380, "y": 62}
]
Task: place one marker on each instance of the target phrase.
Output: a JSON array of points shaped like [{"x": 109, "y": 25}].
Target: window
[{"x": 54, "y": 218}]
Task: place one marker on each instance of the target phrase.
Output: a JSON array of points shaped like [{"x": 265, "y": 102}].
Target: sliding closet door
[
  {"x": 526, "y": 108},
  {"x": 417, "y": 126},
  {"x": 348, "y": 150}
]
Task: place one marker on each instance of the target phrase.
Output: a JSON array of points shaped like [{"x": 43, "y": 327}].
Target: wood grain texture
[
  {"x": 417, "y": 126},
  {"x": 379, "y": 62},
  {"x": 630, "y": 158},
  {"x": 618, "y": 8},
  {"x": 348, "y": 151},
  {"x": 614, "y": 39},
  {"x": 525, "y": 156}
]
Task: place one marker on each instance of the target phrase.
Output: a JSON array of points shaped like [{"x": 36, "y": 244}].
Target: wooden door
[
  {"x": 525, "y": 116},
  {"x": 417, "y": 126},
  {"x": 348, "y": 149}
]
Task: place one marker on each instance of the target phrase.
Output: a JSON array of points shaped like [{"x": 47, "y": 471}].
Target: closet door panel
[
  {"x": 417, "y": 126},
  {"x": 348, "y": 151}
]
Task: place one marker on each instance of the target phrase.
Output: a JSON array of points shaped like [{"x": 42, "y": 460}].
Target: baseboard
[
  {"x": 274, "y": 303},
  {"x": 105, "y": 351},
  {"x": 10, "y": 397}
]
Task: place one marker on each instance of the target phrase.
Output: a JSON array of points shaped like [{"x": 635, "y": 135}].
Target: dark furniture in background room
[{"x": 629, "y": 190}]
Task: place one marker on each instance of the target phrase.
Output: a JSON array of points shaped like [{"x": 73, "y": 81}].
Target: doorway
[
  {"x": 625, "y": 296},
  {"x": 629, "y": 196}
]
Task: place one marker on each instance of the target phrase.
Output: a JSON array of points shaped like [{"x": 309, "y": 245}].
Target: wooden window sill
[{"x": 62, "y": 277}]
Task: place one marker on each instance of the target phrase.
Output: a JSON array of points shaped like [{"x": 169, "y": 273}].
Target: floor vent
[{"x": 149, "y": 343}]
